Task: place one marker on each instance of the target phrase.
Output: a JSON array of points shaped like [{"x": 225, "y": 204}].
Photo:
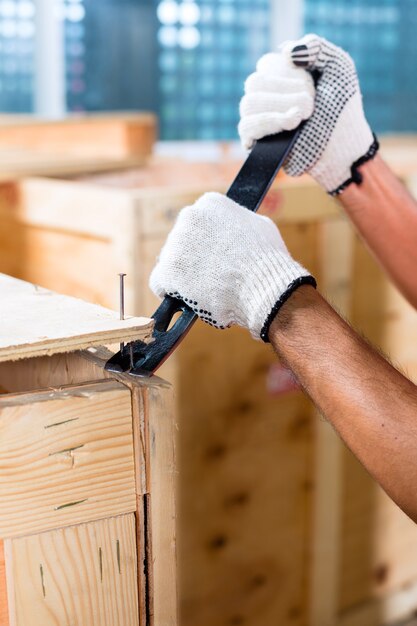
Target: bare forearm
[
  {"x": 385, "y": 215},
  {"x": 370, "y": 403}
]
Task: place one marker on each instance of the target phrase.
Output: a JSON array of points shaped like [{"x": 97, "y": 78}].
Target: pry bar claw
[{"x": 248, "y": 189}]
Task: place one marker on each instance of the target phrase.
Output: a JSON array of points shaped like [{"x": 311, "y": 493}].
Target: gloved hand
[
  {"x": 336, "y": 139},
  {"x": 228, "y": 264}
]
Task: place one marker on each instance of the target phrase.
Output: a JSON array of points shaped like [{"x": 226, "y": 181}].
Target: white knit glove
[
  {"x": 336, "y": 139},
  {"x": 228, "y": 264}
]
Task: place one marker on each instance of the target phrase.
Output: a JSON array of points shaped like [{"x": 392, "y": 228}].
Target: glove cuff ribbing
[
  {"x": 302, "y": 280},
  {"x": 356, "y": 176}
]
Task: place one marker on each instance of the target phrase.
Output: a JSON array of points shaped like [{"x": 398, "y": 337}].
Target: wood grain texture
[
  {"x": 81, "y": 575},
  {"x": 246, "y": 457},
  {"x": 65, "y": 457},
  {"x": 52, "y": 371},
  {"x": 155, "y": 436},
  {"x": 162, "y": 480},
  {"x": 38, "y": 322},
  {"x": 4, "y": 605}
]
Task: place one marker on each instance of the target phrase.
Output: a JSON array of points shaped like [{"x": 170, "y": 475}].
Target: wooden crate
[
  {"x": 31, "y": 146},
  {"x": 275, "y": 523},
  {"x": 87, "y": 470}
]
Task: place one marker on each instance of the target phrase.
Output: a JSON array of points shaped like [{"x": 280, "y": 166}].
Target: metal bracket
[{"x": 248, "y": 189}]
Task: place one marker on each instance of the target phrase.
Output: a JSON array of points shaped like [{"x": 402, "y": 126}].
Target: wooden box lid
[{"x": 37, "y": 322}]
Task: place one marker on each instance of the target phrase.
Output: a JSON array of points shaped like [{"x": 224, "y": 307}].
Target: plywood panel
[
  {"x": 81, "y": 575},
  {"x": 37, "y": 322},
  {"x": 65, "y": 457},
  {"x": 59, "y": 260}
]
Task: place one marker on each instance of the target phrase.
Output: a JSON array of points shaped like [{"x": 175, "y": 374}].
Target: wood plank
[
  {"x": 19, "y": 164},
  {"x": 80, "y": 143},
  {"x": 57, "y": 260},
  {"x": 162, "y": 479},
  {"x": 65, "y": 457},
  {"x": 113, "y": 136},
  {"x": 155, "y": 436},
  {"x": 4, "y": 608},
  {"x": 36, "y": 322},
  {"x": 54, "y": 371},
  {"x": 79, "y": 575},
  {"x": 61, "y": 205},
  {"x": 335, "y": 278}
]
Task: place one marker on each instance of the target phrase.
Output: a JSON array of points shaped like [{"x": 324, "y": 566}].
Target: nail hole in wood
[{"x": 218, "y": 542}]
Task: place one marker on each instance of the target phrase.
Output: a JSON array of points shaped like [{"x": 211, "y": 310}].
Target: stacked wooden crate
[
  {"x": 275, "y": 522},
  {"x": 30, "y": 146},
  {"x": 87, "y": 470}
]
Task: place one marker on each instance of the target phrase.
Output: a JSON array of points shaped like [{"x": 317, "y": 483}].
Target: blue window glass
[
  {"x": 17, "y": 30},
  {"x": 209, "y": 46},
  {"x": 380, "y": 36}
]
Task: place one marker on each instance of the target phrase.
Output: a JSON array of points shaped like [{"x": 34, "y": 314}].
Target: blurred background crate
[
  {"x": 30, "y": 146},
  {"x": 273, "y": 510},
  {"x": 278, "y": 524}
]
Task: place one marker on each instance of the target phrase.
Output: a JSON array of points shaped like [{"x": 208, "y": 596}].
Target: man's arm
[
  {"x": 372, "y": 405},
  {"x": 334, "y": 146},
  {"x": 385, "y": 215}
]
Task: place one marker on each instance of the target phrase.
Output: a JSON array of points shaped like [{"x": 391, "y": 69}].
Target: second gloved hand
[
  {"x": 336, "y": 138},
  {"x": 229, "y": 265}
]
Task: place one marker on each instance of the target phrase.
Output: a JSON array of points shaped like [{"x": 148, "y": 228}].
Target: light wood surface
[
  {"x": 81, "y": 575},
  {"x": 336, "y": 242},
  {"x": 252, "y": 486},
  {"x": 36, "y": 321},
  {"x": 4, "y": 610},
  {"x": 158, "y": 406},
  {"x": 155, "y": 434},
  {"x": 65, "y": 457},
  {"x": 80, "y": 143},
  {"x": 51, "y": 371}
]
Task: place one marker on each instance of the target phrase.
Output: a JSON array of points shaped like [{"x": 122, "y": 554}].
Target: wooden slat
[
  {"x": 36, "y": 322},
  {"x": 112, "y": 136},
  {"x": 50, "y": 371},
  {"x": 19, "y": 164},
  {"x": 162, "y": 480},
  {"x": 155, "y": 435},
  {"x": 335, "y": 275},
  {"x": 87, "y": 143},
  {"x": 60, "y": 205},
  {"x": 65, "y": 457},
  {"x": 4, "y": 610},
  {"x": 57, "y": 260},
  {"x": 81, "y": 575}
]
